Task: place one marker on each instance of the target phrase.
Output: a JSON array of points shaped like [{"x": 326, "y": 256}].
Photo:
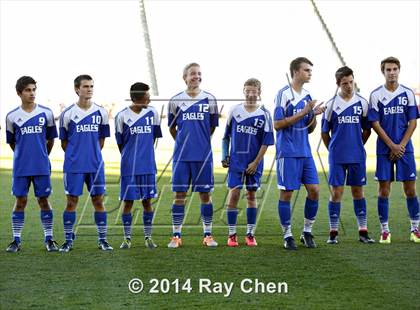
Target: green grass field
[{"x": 349, "y": 275}]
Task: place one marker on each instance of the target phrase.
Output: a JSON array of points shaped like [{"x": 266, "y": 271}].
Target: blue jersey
[
  {"x": 393, "y": 111},
  {"x": 292, "y": 141},
  {"x": 82, "y": 129},
  {"x": 136, "y": 132},
  {"x": 30, "y": 132},
  {"x": 346, "y": 120},
  {"x": 248, "y": 131},
  {"x": 193, "y": 118}
]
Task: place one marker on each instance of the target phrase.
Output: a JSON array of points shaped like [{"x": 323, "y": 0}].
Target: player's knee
[
  {"x": 336, "y": 196},
  {"x": 410, "y": 192},
  {"x": 205, "y": 198},
  {"x": 180, "y": 198},
  {"x": 313, "y": 193},
  {"x": 357, "y": 193},
  {"x": 250, "y": 196},
  {"x": 127, "y": 206},
  {"x": 71, "y": 203},
  {"x": 147, "y": 205},
  {"x": 21, "y": 204},
  {"x": 384, "y": 192},
  {"x": 98, "y": 203},
  {"x": 286, "y": 195},
  {"x": 43, "y": 203}
]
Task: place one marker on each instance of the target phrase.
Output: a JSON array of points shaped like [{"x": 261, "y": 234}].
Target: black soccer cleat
[
  {"x": 13, "y": 247},
  {"x": 333, "y": 239},
  {"x": 364, "y": 237},
  {"x": 66, "y": 247},
  {"x": 289, "y": 244},
  {"x": 51, "y": 246},
  {"x": 308, "y": 240},
  {"x": 104, "y": 245}
]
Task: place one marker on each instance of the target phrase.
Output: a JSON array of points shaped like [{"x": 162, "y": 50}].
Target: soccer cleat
[
  {"x": 13, "y": 247},
  {"x": 289, "y": 244},
  {"x": 176, "y": 242},
  {"x": 308, "y": 240},
  {"x": 126, "y": 244},
  {"x": 51, "y": 246},
  {"x": 148, "y": 242},
  {"x": 364, "y": 237},
  {"x": 66, "y": 247},
  {"x": 415, "y": 236},
  {"x": 333, "y": 239},
  {"x": 385, "y": 237},
  {"x": 232, "y": 241},
  {"x": 209, "y": 241},
  {"x": 250, "y": 240},
  {"x": 104, "y": 245}
]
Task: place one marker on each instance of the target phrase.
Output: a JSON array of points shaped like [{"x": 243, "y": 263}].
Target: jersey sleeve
[
  {"x": 104, "y": 126},
  {"x": 157, "y": 131},
  {"x": 51, "y": 127},
  {"x": 412, "y": 108},
  {"x": 214, "y": 112},
  {"x": 365, "y": 120},
  {"x": 228, "y": 128},
  {"x": 279, "y": 107},
  {"x": 64, "y": 125},
  {"x": 326, "y": 117},
  {"x": 10, "y": 131},
  {"x": 119, "y": 128},
  {"x": 373, "y": 114},
  {"x": 268, "y": 138},
  {"x": 172, "y": 113}
]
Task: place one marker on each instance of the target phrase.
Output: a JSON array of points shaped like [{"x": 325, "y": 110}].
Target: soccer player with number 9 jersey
[{"x": 30, "y": 132}]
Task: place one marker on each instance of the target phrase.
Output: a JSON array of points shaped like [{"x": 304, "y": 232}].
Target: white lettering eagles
[
  {"x": 140, "y": 129},
  {"x": 247, "y": 129},
  {"x": 30, "y": 129},
  {"x": 348, "y": 119},
  {"x": 87, "y": 128},
  {"x": 393, "y": 110},
  {"x": 193, "y": 116}
]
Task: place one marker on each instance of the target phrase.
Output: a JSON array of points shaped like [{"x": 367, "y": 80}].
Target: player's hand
[
  {"x": 319, "y": 109},
  {"x": 309, "y": 106},
  {"x": 397, "y": 151},
  {"x": 226, "y": 162},
  {"x": 252, "y": 168}
]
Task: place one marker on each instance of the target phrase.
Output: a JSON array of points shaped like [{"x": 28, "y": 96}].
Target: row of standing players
[{"x": 192, "y": 118}]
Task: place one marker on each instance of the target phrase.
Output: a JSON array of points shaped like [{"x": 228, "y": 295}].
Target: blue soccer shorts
[
  {"x": 351, "y": 174},
  {"x": 138, "y": 187},
  {"x": 95, "y": 183},
  {"x": 405, "y": 168},
  {"x": 294, "y": 171},
  {"x": 237, "y": 179},
  {"x": 197, "y": 173},
  {"x": 42, "y": 186}
]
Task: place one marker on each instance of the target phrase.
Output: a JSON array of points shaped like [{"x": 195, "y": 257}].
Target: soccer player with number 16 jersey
[{"x": 394, "y": 113}]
